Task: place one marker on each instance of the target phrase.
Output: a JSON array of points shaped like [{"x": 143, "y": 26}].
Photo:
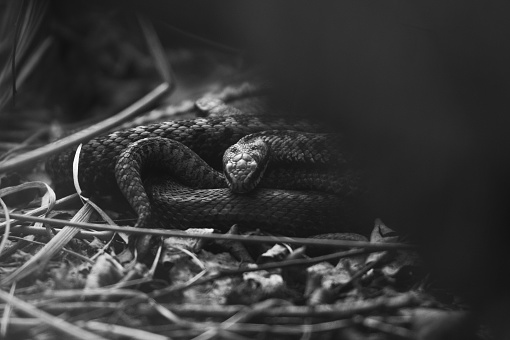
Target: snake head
[{"x": 244, "y": 165}]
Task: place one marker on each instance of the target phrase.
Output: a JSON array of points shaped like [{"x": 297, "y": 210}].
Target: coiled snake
[{"x": 167, "y": 173}]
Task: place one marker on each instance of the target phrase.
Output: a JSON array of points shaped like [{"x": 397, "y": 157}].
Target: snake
[{"x": 169, "y": 173}]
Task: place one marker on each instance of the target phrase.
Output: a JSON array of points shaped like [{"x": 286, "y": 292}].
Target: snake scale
[{"x": 145, "y": 164}]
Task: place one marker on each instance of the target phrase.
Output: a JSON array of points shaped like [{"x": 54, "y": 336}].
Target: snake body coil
[{"x": 147, "y": 166}]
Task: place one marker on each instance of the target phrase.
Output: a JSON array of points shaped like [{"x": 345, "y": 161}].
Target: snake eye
[{"x": 234, "y": 149}]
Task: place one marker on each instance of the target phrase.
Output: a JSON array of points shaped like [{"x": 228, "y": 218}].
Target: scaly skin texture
[
  {"x": 208, "y": 137},
  {"x": 244, "y": 162},
  {"x": 291, "y": 213},
  {"x": 182, "y": 190}
]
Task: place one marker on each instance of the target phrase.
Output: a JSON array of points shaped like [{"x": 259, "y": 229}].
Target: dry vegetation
[{"x": 68, "y": 279}]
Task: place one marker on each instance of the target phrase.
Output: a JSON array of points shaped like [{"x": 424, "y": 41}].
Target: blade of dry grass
[{"x": 76, "y": 168}]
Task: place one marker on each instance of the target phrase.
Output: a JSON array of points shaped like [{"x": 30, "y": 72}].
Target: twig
[{"x": 241, "y": 238}]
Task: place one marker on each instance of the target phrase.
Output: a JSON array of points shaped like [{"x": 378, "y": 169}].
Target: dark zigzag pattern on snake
[{"x": 289, "y": 212}]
